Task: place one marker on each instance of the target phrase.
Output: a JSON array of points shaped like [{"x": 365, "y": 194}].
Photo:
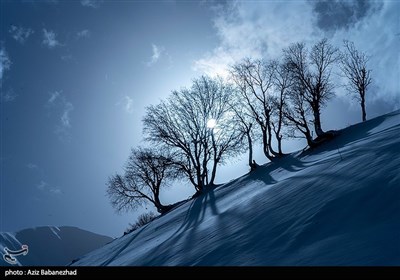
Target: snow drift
[
  {"x": 51, "y": 245},
  {"x": 338, "y": 204}
]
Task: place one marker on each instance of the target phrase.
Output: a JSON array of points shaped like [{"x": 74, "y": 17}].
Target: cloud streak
[
  {"x": 5, "y": 62},
  {"x": 157, "y": 51},
  {"x": 46, "y": 188},
  {"x": 90, "y": 3},
  {"x": 20, "y": 34},
  {"x": 58, "y": 101},
  {"x": 53, "y": 97},
  {"x": 31, "y": 166},
  {"x": 9, "y": 96},
  {"x": 85, "y": 33},
  {"x": 126, "y": 103},
  {"x": 65, "y": 117},
  {"x": 49, "y": 39}
]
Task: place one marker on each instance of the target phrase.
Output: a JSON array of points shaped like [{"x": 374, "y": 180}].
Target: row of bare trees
[{"x": 196, "y": 129}]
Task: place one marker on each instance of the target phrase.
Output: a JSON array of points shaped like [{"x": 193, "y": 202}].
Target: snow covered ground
[
  {"x": 50, "y": 245},
  {"x": 336, "y": 205}
]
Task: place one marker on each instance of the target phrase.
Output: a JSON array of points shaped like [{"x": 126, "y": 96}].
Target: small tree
[
  {"x": 354, "y": 67},
  {"x": 311, "y": 70},
  {"x": 145, "y": 173},
  {"x": 297, "y": 115},
  {"x": 142, "y": 220}
]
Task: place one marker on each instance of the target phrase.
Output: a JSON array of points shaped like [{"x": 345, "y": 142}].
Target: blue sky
[{"x": 76, "y": 77}]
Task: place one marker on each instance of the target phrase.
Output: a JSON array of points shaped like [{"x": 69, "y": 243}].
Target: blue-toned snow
[{"x": 336, "y": 205}]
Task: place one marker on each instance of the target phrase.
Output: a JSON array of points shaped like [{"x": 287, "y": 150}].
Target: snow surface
[
  {"x": 336, "y": 205},
  {"x": 50, "y": 246}
]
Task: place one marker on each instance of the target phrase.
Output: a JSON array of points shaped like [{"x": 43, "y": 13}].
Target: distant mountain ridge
[{"x": 50, "y": 245}]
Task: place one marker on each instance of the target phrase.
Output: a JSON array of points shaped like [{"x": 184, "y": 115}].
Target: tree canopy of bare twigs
[
  {"x": 145, "y": 174},
  {"x": 354, "y": 67},
  {"x": 182, "y": 124},
  {"x": 311, "y": 70},
  {"x": 255, "y": 80}
]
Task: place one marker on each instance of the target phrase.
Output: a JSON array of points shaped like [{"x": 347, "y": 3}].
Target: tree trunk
[
  {"x": 317, "y": 121},
  {"x": 213, "y": 172},
  {"x": 215, "y": 159},
  {"x": 364, "y": 113},
  {"x": 265, "y": 145},
  {"x": 271, "y": 150},
  {"x": 278, "y": 132},
  {"x": 250, "y": 142},
  {"x": 160, "y": 207}
]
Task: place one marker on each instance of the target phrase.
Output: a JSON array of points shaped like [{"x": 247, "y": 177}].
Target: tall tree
[
  {"x": 245, "y": 124},
  {"x": 354, "y": 67},
  {"x": 194, "y": 124},
  {"x": 297, "y": 115},
  {"x": 311, "y": 69},
  {"x": 145, "y": 175},
  {"x": 282, "y": 81},
  {"x": 254, "y": 80}
]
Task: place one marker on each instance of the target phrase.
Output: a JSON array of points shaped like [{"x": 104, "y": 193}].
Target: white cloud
[
  {"x": 5, "y": 62},
  {"x": 263, "y": 28},
  {"x": 90, "y": 3},
  {"x": 55, "y": 190},
  {"x": 42, "y": 185},
  {"x": 85, "y": 33},
  {"x": 65, "y": 117},
  {"x": 20, "y": 34},
  {"x": 126, "y": 103},
  {"x": 157, "y": 51},
  {"x": 31, "y": 165},
  {"x": 49, "y": 39},
  {"x": 66, "y": 57},
  {"x": 9, "y": 95},
  {"x": 255, "y": 29},
  {"x": 46, "y": 188},
  {"x": 53, "y": 97},
  {"x": 58, "y": 102}
]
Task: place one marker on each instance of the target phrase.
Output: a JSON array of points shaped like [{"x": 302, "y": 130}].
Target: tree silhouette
[
  {"x": 311, "y": 70},
  {"x": 145, "y": 175},
  {"x": 245, "y": 124},
  {"x": 354, "y": 67},
  {"x": 282, "y": 81},
  {"x": 254, "y": 80},
  {"x": 297, "y": 114},
  {"x": 194, "y": 124}
]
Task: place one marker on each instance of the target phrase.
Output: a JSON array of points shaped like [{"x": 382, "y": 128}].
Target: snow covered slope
[
  {"x": 336, "y": 205},
  {"x": 51, "y": 245}
]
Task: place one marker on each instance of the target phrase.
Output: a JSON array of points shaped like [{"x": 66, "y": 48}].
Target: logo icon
[{"x": 10, "y": 254}]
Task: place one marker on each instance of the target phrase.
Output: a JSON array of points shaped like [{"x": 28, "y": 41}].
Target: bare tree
[
  {"x": 282, "y": 81},
  {"x": 354, "y": 67},
  {"x": 194, "y": 123},
  {"x": 297, "y": 114},
  {"x": 145, "y": 175},
  {"x": 245, "y": 124},
  {"x": 141, "y": 221},
  {"x": 312, "y": 70},
  {"x": 254, "y": 79}
]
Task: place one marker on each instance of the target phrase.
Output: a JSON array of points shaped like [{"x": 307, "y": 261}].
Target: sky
[{"x": 76, "y": 76}]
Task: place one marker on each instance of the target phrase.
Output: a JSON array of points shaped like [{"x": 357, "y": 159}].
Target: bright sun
[{"x": 211, "y": 123}]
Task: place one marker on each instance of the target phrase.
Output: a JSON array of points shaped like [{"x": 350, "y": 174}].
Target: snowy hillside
[
  {"x": 51, "y": 245},
  {"x": 336, "y": 205}
]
